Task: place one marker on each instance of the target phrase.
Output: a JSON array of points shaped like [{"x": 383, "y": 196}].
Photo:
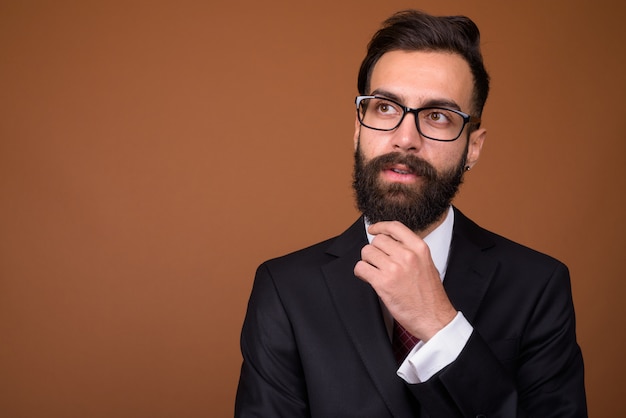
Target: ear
[
  {"x": 475, "y": 146},
  {"x": 357, "y": 132}
]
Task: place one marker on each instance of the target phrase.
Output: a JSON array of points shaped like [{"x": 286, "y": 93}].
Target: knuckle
[
  {"x": 410, "y": 257},
  {"x": 394, "y": 269}
]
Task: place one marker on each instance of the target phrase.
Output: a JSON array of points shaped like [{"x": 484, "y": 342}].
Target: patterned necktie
[{"x": 402, "y": 342}]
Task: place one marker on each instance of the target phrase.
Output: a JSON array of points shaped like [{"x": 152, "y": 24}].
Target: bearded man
[{"x": 414, "y": 311}]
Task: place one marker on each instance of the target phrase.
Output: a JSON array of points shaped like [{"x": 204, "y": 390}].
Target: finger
[
  {"x": 385, "y": 243},
  {"x": 393, "y": 229},
  {"x": 394, "y": 239},
  {"x": 365, "y": 271},
  {"x": 373, "y": 255}
]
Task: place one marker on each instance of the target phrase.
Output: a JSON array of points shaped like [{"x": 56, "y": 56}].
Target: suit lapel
[
  {"x": 470, "y": 269},
  {"x": 358, "y": 309}
]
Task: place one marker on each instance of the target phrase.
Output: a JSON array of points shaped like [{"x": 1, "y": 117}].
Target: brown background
[{"x": 152, "y": 155}]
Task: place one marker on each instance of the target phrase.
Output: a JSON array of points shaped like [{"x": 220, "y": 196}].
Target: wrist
[{"x": 443, "y": 319}]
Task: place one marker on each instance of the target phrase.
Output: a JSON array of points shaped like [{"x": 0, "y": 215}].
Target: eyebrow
[{"x": 450, "y": 104}]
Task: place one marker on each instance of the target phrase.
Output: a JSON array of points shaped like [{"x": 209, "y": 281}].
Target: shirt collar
[{"x": 438, "y": 242}]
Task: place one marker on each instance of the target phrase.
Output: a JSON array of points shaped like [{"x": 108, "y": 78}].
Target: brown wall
[{"x": 152, "y": 155}]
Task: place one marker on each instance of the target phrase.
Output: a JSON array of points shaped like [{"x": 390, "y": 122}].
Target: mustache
[{"x": 413, "y": 163}]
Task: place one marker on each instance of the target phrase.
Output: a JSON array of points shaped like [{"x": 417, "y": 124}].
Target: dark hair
[{"x": 412, "y": 30}]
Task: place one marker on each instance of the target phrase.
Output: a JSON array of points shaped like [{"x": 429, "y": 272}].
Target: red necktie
[{"x": 402, "y": 342}]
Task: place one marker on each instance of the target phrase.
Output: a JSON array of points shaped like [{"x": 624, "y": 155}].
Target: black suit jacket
[{"x": 314, "y": 342}]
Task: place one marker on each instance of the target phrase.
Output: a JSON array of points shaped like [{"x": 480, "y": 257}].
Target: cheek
[
  {"x": 372, "y": 144},
  {"x": 442, "y": 155}
]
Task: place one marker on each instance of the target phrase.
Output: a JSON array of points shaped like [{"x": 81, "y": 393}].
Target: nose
[{"x": 406, "y": 137}]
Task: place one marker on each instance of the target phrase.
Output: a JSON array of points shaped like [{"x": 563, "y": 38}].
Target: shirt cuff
[{"x": 426, "y": 359}]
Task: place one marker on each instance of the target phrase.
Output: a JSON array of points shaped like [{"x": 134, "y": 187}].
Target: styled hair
[{"x": 412, "y": 30}]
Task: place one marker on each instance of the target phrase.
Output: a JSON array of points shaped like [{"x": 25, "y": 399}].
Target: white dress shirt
[{"x": 426, "y": 359}]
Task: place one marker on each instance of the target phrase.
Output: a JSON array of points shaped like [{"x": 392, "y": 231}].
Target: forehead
[{"x": 417, "y": 77}]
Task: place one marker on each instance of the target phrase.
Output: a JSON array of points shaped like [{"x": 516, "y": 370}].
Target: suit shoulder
[
  {"x": 314, "y": 254},
  {"x": 322, "y": 252},
  {"x": 504, "y": 248},
  {"x": 522, "y": 250}
]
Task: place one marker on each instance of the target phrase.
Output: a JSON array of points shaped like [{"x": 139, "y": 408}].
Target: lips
[
  {"x": 399, "y": 173},
  {"x": 400, "y": 169}
]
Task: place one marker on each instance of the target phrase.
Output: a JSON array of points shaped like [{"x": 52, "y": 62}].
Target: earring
[{"x": 467, "y": 168}]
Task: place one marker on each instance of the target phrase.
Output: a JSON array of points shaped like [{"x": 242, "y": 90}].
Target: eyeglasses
[{"x": 436, "y": 123}]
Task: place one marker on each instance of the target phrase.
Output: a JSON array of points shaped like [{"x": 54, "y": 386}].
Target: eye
[
  {"x": 440, "y": 118},
  {"x": 437, "y": 116},
  {"x": 386, "y": 108}
]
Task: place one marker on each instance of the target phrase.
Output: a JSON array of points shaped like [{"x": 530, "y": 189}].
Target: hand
[{"x": 398, "y": 265}]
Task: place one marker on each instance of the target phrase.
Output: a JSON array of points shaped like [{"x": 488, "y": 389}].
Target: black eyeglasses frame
[{"x": 467, "y": 119}]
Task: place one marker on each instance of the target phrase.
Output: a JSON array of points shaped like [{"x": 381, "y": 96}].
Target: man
[{"x": 488, "y": 324}]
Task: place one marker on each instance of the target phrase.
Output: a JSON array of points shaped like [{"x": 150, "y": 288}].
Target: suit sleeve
[
  {"x": 548, "y": 381},
  {"x": 271, "y": 383}
]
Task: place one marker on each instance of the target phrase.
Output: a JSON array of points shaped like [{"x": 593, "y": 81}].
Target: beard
[{"x": 417, "y": 206}]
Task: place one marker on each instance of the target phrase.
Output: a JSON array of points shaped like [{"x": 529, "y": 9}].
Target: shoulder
[
  {"x": 315, "y": 254},
  {"x": 508, "y": 253},
  {"x": 311, "y": 258}
]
